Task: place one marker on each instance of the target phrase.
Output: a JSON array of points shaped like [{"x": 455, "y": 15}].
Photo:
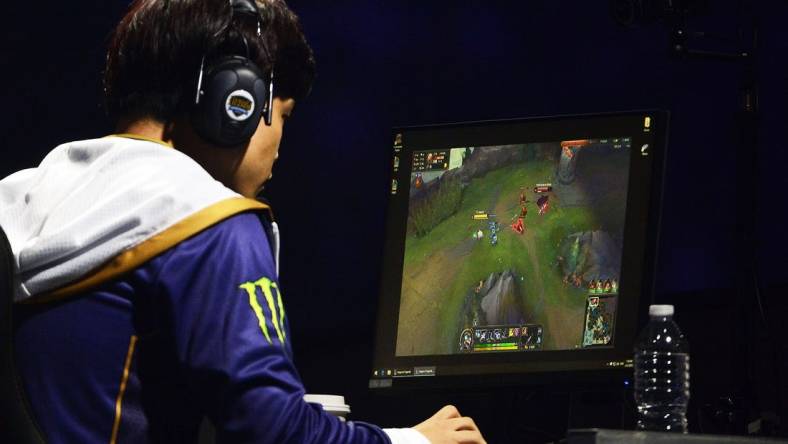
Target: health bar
[{"x": 501, "y": 346}]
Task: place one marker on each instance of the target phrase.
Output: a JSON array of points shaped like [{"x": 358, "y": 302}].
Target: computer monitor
[{"x": 519, "y": 249}]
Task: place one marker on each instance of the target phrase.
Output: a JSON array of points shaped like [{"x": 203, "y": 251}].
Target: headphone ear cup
[{"x": 231, "y": 102}]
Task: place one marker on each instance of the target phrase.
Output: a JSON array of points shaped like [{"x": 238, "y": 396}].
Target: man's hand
[{"x": 448, "y": 427}]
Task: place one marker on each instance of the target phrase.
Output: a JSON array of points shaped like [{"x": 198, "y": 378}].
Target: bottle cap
[{"x": 660, "y": 310}]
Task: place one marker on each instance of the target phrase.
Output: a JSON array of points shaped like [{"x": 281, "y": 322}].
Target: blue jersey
[{"x": 199, "y": 330}]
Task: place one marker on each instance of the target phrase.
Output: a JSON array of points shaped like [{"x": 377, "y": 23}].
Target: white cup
[{"x": 332, "y": 404}]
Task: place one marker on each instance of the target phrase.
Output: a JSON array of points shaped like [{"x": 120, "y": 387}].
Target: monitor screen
[{"x": 519, "y": 246}]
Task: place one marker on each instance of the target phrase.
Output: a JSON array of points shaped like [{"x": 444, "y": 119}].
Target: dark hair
[{"x": 155, "y": 52}]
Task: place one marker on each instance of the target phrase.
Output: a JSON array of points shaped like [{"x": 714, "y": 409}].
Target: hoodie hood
[{"x": 90, "y": 200}]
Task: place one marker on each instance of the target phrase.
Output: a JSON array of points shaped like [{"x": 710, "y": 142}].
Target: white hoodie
[{"x": 90, "y": 201}]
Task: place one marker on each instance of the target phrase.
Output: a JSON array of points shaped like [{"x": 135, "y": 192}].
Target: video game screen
[{"x": 513, "y": 248}]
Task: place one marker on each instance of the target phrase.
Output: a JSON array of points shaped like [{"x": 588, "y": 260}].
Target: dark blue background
[{"x": 387, "y": 63}]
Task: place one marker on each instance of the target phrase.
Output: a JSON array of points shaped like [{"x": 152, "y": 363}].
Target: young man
[{"x": 146, "y": 278}]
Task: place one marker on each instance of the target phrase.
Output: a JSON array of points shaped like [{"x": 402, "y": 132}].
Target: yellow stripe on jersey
[
  {"x": 147, "y": 250},
  {"x": 123, "y": 381}
]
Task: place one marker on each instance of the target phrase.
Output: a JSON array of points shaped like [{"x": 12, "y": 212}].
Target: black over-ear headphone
[{"x": 232, "y": 94}]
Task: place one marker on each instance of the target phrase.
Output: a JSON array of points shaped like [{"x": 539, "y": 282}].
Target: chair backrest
[{"x": 16, "y": 420}]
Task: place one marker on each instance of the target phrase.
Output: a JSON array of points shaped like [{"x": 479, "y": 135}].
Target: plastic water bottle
[{"x": 662, "y": 374}]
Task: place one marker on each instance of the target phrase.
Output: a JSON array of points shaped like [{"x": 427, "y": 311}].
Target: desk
[{"x": 602, "y": 436}]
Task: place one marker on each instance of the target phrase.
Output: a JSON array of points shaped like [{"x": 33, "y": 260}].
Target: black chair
[{"x": 16, "y": 420}]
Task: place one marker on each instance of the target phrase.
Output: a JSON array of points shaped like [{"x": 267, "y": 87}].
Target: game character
[
  {"x": 478, "y": 288},
  {"x": 614, "y": 286},
  {"x": 419, "y": 181},
  {"x": 493, "y": 232},
  {"x": 518, "y": 226},
  {"x": 543, "y": 203},
  {"x": 523, "y": 199},
  {"x": 592, "y": 286},
  {"x": 608, "y": 286}
]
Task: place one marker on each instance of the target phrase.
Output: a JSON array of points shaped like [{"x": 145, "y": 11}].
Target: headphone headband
[{"x": 245, "y": 7}]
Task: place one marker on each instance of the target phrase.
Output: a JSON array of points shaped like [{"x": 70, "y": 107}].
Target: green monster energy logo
[{"x": 267, "y": 285}]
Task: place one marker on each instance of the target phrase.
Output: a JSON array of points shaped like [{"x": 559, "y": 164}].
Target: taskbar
[{"x": 381, "y": 378}]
